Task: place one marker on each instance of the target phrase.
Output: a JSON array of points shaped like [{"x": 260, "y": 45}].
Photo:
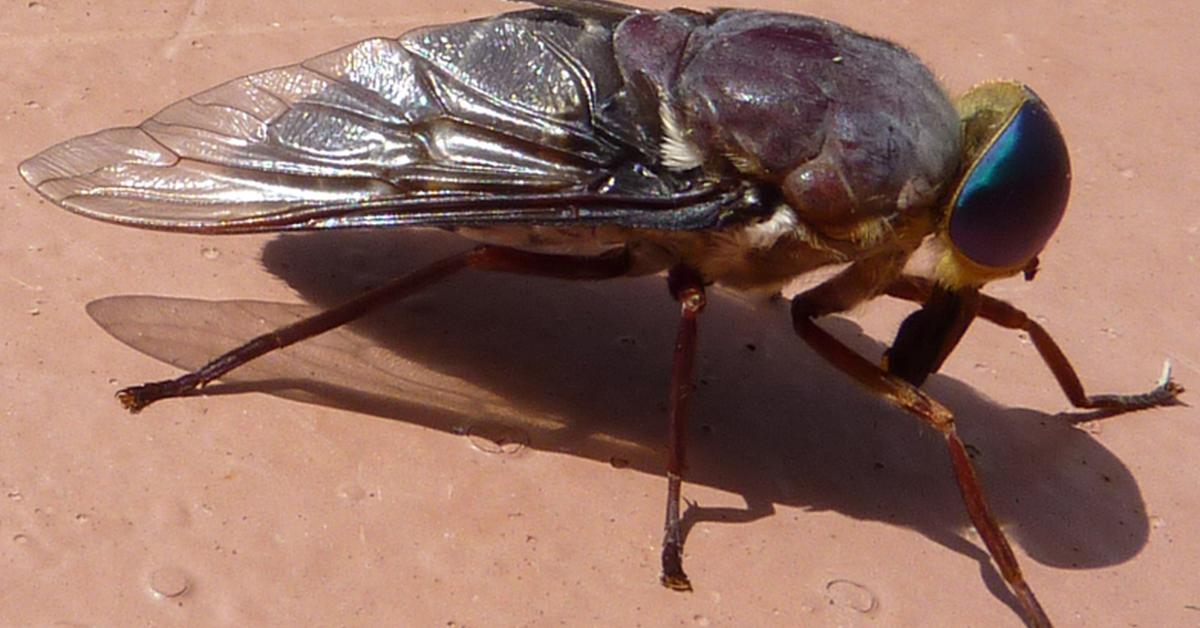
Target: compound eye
[{"x": 1014, "y": 194}]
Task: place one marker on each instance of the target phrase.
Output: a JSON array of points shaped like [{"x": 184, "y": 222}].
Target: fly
[{"x": 589, "y": 140}]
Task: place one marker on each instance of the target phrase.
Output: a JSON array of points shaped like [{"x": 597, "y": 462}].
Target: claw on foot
[
  {"x": 135, "y": 398},
  {"x": 676, "y": 582},
  {"x": 1167, "y": 388},
  {"x": 672, "y": 567},
  {"x": 131, "y": 399}
]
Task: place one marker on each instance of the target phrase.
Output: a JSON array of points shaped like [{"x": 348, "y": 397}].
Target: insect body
[{"x": 591, "y": 140}]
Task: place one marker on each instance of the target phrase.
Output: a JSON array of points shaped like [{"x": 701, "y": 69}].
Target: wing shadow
[{"x": 582, "y": 368}]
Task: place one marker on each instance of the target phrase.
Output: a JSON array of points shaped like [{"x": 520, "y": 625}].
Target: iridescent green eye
[{"x": 1014, "y": 194}]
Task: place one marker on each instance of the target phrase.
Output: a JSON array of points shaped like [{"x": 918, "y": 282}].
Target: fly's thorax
[{"x": 848, "y": 128}]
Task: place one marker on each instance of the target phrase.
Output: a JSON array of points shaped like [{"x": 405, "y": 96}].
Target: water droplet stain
[
  {"x": 851, "y": 595},
  {"x": 15, "y": 495},
  {"x": 494, "y": 438},
  {"x": 351, "y": 491},
  {"x": 210, "y": 252},
  {"x": 20, "y": 539},
  {"x": 700, "y": 620},
  {"x": 169, "y": 582}
]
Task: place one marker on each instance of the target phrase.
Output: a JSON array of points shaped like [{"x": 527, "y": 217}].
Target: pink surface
[{"x": 378, "y": 499}]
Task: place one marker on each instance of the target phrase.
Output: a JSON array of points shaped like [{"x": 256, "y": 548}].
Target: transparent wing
[{"x": 488, "y": 121}]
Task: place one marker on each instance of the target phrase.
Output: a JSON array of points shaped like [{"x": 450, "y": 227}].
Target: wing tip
[
  {"x": 38, "y": 169},
  {"x": 88, "y": 154}
]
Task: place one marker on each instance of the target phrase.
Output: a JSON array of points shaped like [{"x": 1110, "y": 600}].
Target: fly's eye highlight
[{"x": 1015, "y": 188}]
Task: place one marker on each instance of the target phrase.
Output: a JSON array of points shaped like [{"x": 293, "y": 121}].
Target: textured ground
[{"x": 377, "y": 494}]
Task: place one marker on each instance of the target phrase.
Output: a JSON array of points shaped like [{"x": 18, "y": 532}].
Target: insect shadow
[{"x": 582, "y": 368}]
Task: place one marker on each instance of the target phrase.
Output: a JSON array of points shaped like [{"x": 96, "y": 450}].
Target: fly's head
[{"x": 1012, "y": 191}]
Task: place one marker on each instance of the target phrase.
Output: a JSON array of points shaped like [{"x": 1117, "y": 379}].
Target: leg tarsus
[
  {"x": 135, "y": 398},
  {"x": 1165, "y": 393},
  {"x": 673, "y": 576}
]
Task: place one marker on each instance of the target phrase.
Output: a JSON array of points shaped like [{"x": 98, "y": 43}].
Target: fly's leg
[
  {"x": 685, "y": 284},
  {"x": 908, "y": 397},
  {"x": 688, "y": 289},
  {"x": 918, "y": 289},
  {"x": 135, "y": 398},
  {"x": 490, "y": 258}
]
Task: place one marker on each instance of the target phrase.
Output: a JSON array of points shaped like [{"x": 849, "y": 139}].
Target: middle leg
[{"x": 687, "y": 287}]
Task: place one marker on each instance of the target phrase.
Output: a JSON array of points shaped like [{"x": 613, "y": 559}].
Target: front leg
[{"x": 920, "y": 290}]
